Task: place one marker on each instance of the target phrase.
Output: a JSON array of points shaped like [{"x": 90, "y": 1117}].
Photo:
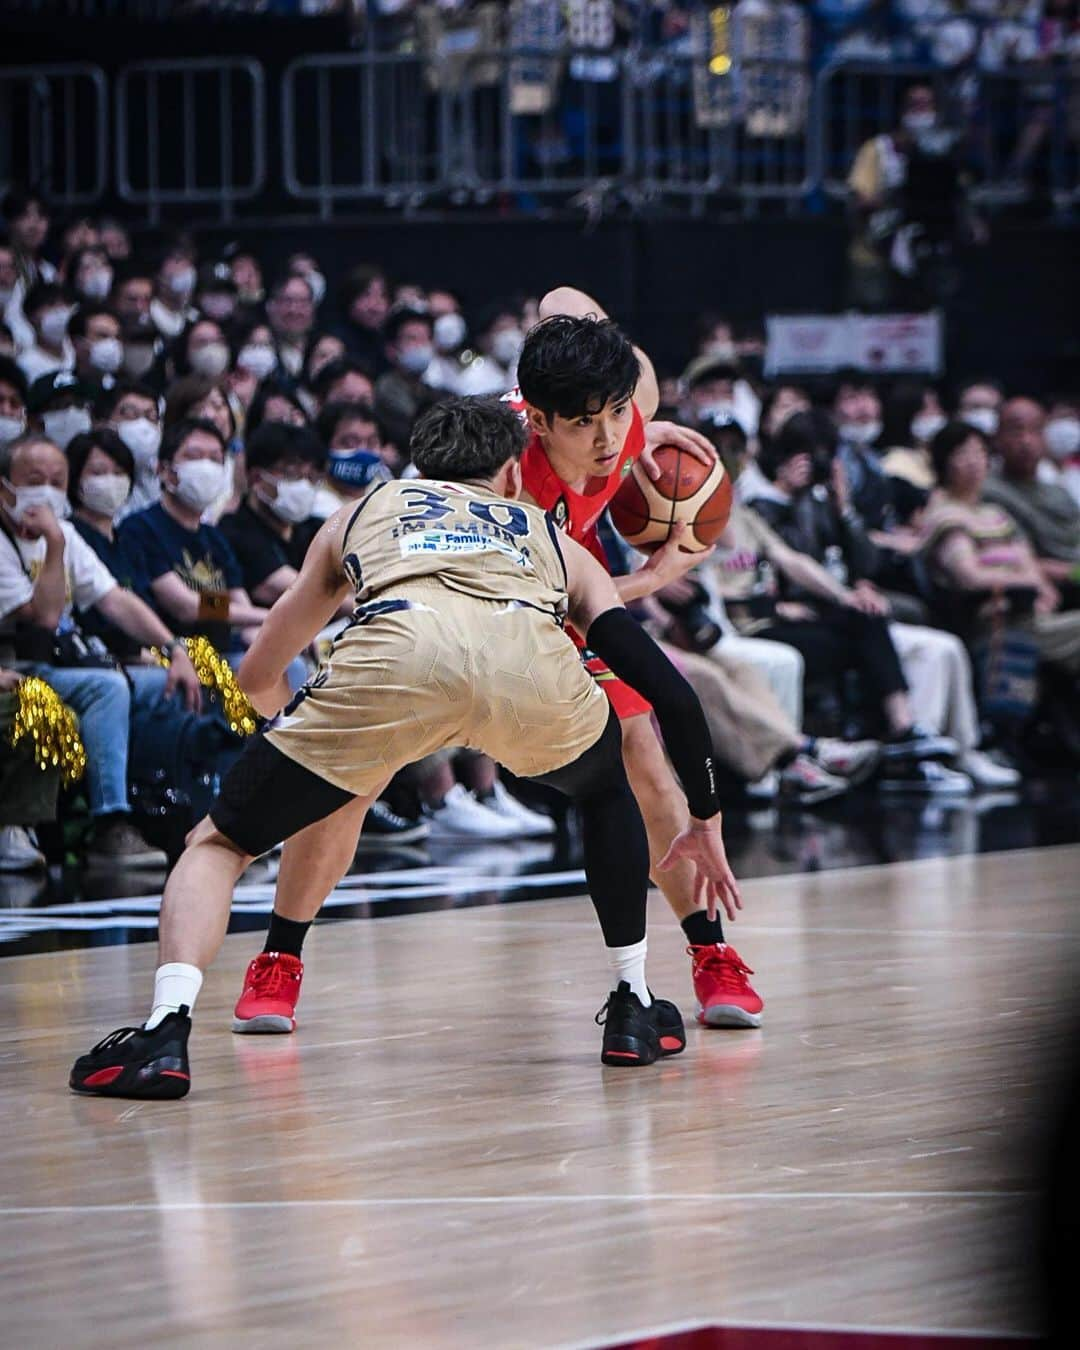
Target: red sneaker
[
  {"x": 724, "y": 994},
  {"x": 271, "y": 988}
]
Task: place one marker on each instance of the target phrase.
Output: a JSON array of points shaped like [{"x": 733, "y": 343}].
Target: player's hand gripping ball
[{"x": 687, "y": 490}]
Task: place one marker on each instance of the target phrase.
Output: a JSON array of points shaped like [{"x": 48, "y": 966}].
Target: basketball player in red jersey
[{"x": 589, "y": 397}]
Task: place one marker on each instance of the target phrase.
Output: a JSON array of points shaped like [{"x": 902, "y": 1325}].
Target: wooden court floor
[{"x": 438, "y": 1159}]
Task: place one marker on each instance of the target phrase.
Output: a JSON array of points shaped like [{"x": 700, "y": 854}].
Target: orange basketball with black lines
[{"x": 687, "y": 490}]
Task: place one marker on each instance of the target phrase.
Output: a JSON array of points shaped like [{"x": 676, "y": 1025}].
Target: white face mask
[
  {"x": 709, "y": 412},
  {"x": 10, "y": 427},
  {"x": 317, "y": 282},
  {"x": 64, "y": 425},
  {"x": 211, "y": 360},
  {"x": 1063, "y": 437},
  {"x": 54, "y": 324},
  {"x": 182, "y": 282},
  {"x": 982, "y": 419},
  {"x": 258, "y": 359},
  {"x": 98, "y": 284},
  {"x": 143, "y": 438},
  {"x": 105, "y": 493},
  {"x": 416, "y": 359},
  {"x": 926, "y": 426},
  {"x": 199, "y": 482},
  {"x": 449, "y": 332},
  {"x": 107, "y": 355},
  {"x": 26, "y": 497},
  {"x": 918, "y": 123},
  {"x": 506, "y": 346},
  {"x": 294, "y": 501},
  {"x": 860, "y": 433}
]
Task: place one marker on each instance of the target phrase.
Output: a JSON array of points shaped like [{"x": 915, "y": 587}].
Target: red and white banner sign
[{"x": 809, "y": 344}]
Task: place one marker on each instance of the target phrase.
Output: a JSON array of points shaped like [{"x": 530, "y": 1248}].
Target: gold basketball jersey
[{"x": 466, "y": 538}]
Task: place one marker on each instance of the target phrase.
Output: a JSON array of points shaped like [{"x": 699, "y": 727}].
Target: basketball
[{"x": 687, "y": 490}]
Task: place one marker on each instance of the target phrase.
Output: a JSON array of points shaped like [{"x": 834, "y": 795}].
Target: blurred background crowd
[{"x": 187, "y": 391}]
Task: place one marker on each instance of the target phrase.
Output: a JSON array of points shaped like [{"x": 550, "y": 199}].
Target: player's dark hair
[
  {"x": 466, "y": 439},
  {"x": 277, "y": 441},
  {"x": 945, "y": 444},
  {"x": 175, "y": 436},
  {"x": 574, "y": 367},
  {"x": 83, "y": 446}
]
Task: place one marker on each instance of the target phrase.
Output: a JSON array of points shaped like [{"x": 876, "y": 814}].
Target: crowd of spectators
[{"x": 896, "y": 594}]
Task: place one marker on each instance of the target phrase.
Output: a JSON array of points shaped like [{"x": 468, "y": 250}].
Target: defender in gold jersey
[{"x": 456, "y": 639}]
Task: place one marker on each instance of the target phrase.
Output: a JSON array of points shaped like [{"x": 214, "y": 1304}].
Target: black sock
[
  {"x": 285, "y": 935},
  {"x": 700, "y": 930}
]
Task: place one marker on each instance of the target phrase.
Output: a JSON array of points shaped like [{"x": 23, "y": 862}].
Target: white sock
[
  {"x": 175, "y": 985},
  {"x": 628, "y": 963}
]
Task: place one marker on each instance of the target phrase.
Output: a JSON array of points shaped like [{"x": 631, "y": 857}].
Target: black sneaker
[
  {"x": 383, "y": 826},
  {"x": 631, "y": 1035},
  {"x": 669, "y": 1024},
  {"x": 925, "y": 776},
  {"x": 919, "y": 744},
  {"x": 134, "y": 1062}
]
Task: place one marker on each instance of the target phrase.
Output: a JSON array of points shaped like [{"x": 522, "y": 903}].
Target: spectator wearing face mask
[
  {"x": 171, "y": 308},
  {"x": 499, "y": 340},
  {"x": 913, "y": 417},
  {"x": 26, "y": 217},
  {"x": 713, "y": 389},
  {"x": 275, "y": 401},
  {"x": 131, "y": 297},
  {"x": 77, "y": 234},
  {"x": 1062, "y": 436},
  {"x": 12, "y": 401},
  {"x": 89, "y": 275},
  {"x": 195, "y": 580},
  {"x": 449, "y": 333},
  {"x": 47, "y": 311},
  {"x": 365, "y": 302},
  {"x": 254, "y": 359},
  {"x": 857, "y": 414},
  {"x": 200, "y": 349},
  {"x": 200, "y": 397},
  {"x": 94, "y": 331},
  {"x": 1045, "y": 511},
  {"x": 60, "y": 405},
  {"x": 978, "y": 403},
  {"x": 215, "y": 293},
  {"x": 291, "y": 311},
  {"x": 131, "y": 409},
  {"x": 358, "y": 455},
  {"x": 401, "y": 394},
  {"x": 271, "y": 531},
  {"x": 47, "y": 572}
]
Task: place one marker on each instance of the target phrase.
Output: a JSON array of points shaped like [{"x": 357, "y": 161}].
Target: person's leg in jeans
[{"x": 101, "y": 700}]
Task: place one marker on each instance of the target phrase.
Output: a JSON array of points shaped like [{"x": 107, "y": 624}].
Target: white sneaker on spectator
[
  {"x": 19, "y": 851},
  {"x": 853, "y": 760},
  {"x": 805, "y": 781},
  {"x": 461, "y": 816},
  {"x": 766, "y": 788},
  {"x": 927, "y": 776},
  {"x": 986, "y": 772},
  {"x": 531, "y": 824}
]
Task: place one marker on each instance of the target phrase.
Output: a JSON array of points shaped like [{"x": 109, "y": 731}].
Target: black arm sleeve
[{"x": 625, "y": 646}]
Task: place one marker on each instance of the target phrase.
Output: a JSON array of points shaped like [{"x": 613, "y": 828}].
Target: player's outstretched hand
[
  {"x": 702, "y": 843},
  {"x": 683, "y": 438}
]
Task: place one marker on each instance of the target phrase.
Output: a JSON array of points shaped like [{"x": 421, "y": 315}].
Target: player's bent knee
[{"x": 206, "y": 832}]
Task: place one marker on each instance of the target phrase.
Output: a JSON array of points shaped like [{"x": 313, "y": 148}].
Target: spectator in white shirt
[{"x": 47, "y": 311}]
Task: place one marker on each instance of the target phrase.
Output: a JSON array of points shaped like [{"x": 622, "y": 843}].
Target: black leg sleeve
[
  {"x": 617, "y": 639},
  {"x": 616, "y": 848}
]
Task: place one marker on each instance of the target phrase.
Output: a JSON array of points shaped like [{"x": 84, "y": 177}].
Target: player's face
[{"x": 590, "y": 444}]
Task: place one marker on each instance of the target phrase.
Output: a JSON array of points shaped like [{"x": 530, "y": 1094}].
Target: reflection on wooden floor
[{"x": 436, "y": 1158}]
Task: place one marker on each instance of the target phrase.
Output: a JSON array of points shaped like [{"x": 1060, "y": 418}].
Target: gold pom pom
[
  {"x": 52, "y": 727},
  {"x": 215, "y": 673}
]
